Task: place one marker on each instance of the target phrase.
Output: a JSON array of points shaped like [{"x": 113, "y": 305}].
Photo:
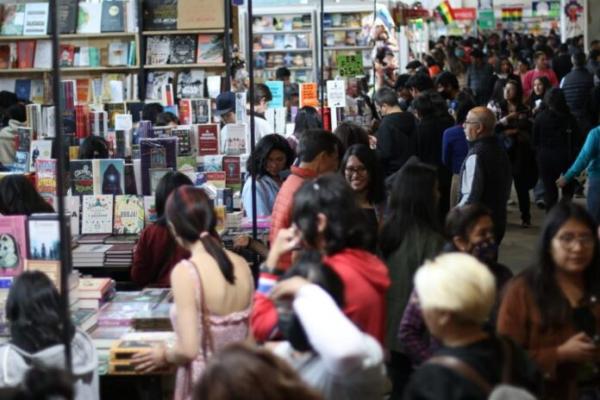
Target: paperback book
[
  {"x": 129, "y": 215},
  {"x": 97, "y": 215},
  {"x": 82, "y": 178},
  {"x": 44, "y": 237},
  {"x": 46, "y": 180},
  {"x": 210, "y": 49},
  {"x": 13, "y": 248}
]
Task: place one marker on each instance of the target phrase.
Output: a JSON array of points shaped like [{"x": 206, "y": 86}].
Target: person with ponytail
[{"x": 212, "y": 293}]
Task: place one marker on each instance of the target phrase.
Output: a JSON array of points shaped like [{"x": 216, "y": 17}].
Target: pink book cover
[{"x": 13, "y": 248}]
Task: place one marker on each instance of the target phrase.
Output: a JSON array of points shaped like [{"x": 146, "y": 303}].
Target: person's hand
[
  {"x": 150, "y": 360},
  {"x": 241, "y": 242},
  {"x": 579, "y": 348},
  {"x": 561, "y": 182},
  {"x": 372, "y": 142},
  {"x": 288, "y": 288},
  {"x": 285, "y": 241}
]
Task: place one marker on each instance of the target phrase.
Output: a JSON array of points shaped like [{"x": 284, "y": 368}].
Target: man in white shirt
[{"x": 262, "y": 96}]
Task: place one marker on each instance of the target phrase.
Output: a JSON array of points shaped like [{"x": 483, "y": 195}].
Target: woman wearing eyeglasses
[
  {"x": 553, "y": 310},
  {"x": 363, "y": 172}
]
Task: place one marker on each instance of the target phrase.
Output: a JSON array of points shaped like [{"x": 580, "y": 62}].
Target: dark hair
[
  {"x": 167, "y": 184},
  {"x": 17, "y": 112},
  {"x": 578, "y": 59},
  {"x": 244, "y": 372},
  {"x": 7, "y": 99},
  {"x": 539, "y": 54},
  {"x": 257, "y": 162},
  {"x": 420, "y": 81},
  {"x": 350, "y": 133},
  {"x": 315, "y": 141},
  {"x": 446, "y": 78},
  {"x": 18, "y": 196},
  {"x": 307, "y": 118},
  {"x": 333, "y": 197},
  {"x": 33, "y": 309},
  {"x": 93, "y": 147},
  {"x": 367, "y": 156},
  {"x": 410, "y": 205},
  {"x": 192, "y": 217},
  {"x": 165, "y": 118},
  {"x": 555, "y": 100},
  {"x": 262, "y": 91},
  {"x": 464, "y": 104},
  {"x": 150, "y": 111},
  {"x": 461, "y": 220},
  {"x": 554, "y": 308},
  {"x": 282, "y": 72},
  {"x": 519, "y": 90},
  {"x": 401, "y": 81},
  {"x": 424, "y": 105},
  {"x": 386, "y": 96},
  {"x": 545, "y": 82}
]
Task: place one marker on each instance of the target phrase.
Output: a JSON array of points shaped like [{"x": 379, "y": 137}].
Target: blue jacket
[
  {"x": 266, "y": 192},
  {"x": 454, "y": 148},
  {"x": 589, "y": 157}
]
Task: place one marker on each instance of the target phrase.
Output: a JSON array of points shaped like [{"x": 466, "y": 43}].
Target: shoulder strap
[
  {"x": 464, "y": 370},
  {"x": 207, "y": 339}
]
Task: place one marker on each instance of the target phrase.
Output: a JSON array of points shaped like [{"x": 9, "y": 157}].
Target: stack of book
[
  {"x": 85, "y": 319},
  {"x": 89, "y": 255},
  {"x": 94, "y": 292},
  {"x": 131, "y": 343},
  {"x": 119, "y": 255},
  {"x": 92, "y": 239}
]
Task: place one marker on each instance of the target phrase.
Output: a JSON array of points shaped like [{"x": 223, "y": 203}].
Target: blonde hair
[{"x": 458, "y": 283}]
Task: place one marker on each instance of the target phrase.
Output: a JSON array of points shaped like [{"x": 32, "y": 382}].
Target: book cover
[
  {"x": 43, "y": 233},
  {"x": 67, "y": 55},
  {"x": 21, "y": 163},
  {"x": 82, "y": 178},
  {"x": 25, "y": 53},
  {"x": 185, "y": 111},
  {"x": 233, "y": 139},
  {"x": 36, "y": 19},
  {"x": 46, "y": 180},
  {"x": 190, "y": 84},
  {"x": 208, "y": 139},
  {"x": 112, "y": 176},
  {"x": 186, "y": 164},
  {"x": 24, "y": 138},
  {"x": 113, "y": 19},
  {"x": 129, "y": 215},
  {"x": 156, "y": 153},
  {"x": 183, "y": 50},
  {"x": 216, "y": 178},
  {"x": 156, "y": 175},
  {"x": 200, "y": 109},
  {"x": 13, "y": 245},
  {"x": 49, "y": 267},
  {"x": 158, "y": 50},
  {"x": 87, "y": 18},
  {"x": 210, "y": 49},
  {"x": 43, "y": 54},
  {"x": 155, "y": 81},
  {"x": 233, "y": 176},
  {"x": 97, "y": 214},
  {"x": 117, "y": 53},
  {"x": 149, "y": 210},
  {"x": 23, "y": 89},
  {"x": 112, "y": 109},
  {"x": 212, "y": 163},
  {"x": 13, "y": 18},
  {"x": 40, "y": 149},
  {"x": 184, "y": 134},
  {"x": 67, "y": 16},
  {"x": 5, "y": 56},
  {"x": 160, "y": 15}
]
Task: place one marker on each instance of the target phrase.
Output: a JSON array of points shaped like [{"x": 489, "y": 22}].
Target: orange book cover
[
  {"x": 83, "y": 90},
  {"x": 25, "y": 52},
  {"x": 308, "y": 95}
]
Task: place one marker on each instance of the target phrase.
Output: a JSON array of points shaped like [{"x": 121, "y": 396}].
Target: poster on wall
[
  {"x": 573, "y": 18},
  {"x": 485, "y": 4},
  {"x": 546, "y": 9}
]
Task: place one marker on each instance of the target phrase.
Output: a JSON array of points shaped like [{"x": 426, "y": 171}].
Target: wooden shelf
[
  {"x": 21, "y": 37},
  {"x": 24, "y": 70},
  {"x": 184, "y": 66},
  {"x": 283, "y": 51},
  {"x": 282, "y": 32},
  {"x": 70, "y": 36},
  {"x": 184, "y": 32}
]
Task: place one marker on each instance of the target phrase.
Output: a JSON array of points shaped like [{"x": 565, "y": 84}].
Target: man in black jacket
[
  {"x": 395, "y": 136},
  {"x": 576, "y": 86},
  {"x": 486, "y": 175}
]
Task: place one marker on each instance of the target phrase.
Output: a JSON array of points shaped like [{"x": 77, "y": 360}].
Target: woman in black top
[
  {"x": 541, "y": 85},
  {"x": 515, "y": 127},
  {"x": 555, "y": 131}
]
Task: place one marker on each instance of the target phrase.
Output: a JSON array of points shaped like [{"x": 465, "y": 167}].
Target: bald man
[{"x": 485, "y": 175}]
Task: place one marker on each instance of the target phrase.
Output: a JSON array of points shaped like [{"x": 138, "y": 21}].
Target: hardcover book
[
  {"x": 44, "y": 237},
  {"x": 183, "y": 50},
  {"x": 113, "y": 19},
  {"x": 200, "y": 109},
  {"x": 129, "y": 215},
  {"x": 82, "y": 178},
  {"x": 43, "y": 54},
  {"x": 13, "y": 18},
  {"x": 36, "y": 19},
  {"x": 160, "y": 15},
  {"x": 13, "y": 248},
  {"x": 156, "y": 153},
  {"x": 149, "y": 210},
  {"x": 158, "y": 50},
  {"x": 97, "y": 215},
  {"x": 109, "y": 178},
  {"x": 233, "y": 139},
  {"x": 156, "y": 174},
  {"x": 49, "y": 267},
  {"x": 67, "y": 16},
  {"x": 208, "y": 139},
  {"x": 46, "y": 180},
  {"x": 210, "y": 49},
  {"x": 87, "y": 19},
  {"x": 233, "y": 176},
  {"x": 25, "y": 53},
  {"x": 190, "y": 84},
  {"x": 40, "y": 149},
  {"x": 67, "y": 55},
  {"x": 117, "y": 53},
  {"x": 23, "y": 89}
]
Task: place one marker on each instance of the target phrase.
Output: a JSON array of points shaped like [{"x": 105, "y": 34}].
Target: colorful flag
[
  {"x": 512, "y": 14},
  {"x": 445, "y": 11}
]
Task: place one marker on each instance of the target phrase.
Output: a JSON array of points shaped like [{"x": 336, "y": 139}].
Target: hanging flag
[
  {"x": 512, "y": 14},
  {"x": 445, "y": 11}
]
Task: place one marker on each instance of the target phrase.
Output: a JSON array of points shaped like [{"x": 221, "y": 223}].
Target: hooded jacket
[{"x": 15, "y": 362}]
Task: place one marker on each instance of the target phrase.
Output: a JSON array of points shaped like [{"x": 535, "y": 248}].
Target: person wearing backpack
[
  {"x": 555, "y": 133},
  {"x": 457, "y": 293}
]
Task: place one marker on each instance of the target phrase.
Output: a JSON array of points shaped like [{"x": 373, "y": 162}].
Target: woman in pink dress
[{"x": 212, "y": 292}]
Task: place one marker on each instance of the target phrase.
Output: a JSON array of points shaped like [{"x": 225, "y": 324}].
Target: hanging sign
[
  {"x": 276, "y": 88},
  {"x": 465, "y": 14},
  {"x": 336, "y": 93},
  {"x": 350, "y": 65},
  {"x": 486, "y": 19}
]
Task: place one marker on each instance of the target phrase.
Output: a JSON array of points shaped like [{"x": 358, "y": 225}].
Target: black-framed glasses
[{"x": 360, "y": 170}]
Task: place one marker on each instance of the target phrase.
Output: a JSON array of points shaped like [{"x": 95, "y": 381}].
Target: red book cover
[
  {"x": 25, "y": 52},
  {"x": 208, "y": 139},
  {"x": 233, "y": 174},
  {"x": 83, "y": 90},
  {"x": 46, "y": 180},
  {"x": 81, "y": 121},
  {"x": 185, "y": 112},
  {"x": 67, "y": 55},
  {"x": 14, "y": 244},
  {"x": 4, "y": 56}
]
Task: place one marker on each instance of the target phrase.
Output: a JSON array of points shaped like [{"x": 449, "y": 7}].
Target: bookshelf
[{"x": 186, "y": 66}]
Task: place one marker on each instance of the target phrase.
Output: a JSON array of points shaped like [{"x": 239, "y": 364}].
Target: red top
[
  {"x": 532, "y": 75},
  {"x": 366, "y": 281},
  {"x": 154, "y": 257},
  {"x": 281, "y": 217}
]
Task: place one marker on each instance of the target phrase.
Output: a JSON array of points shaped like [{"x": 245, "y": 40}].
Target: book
[
  {"x": 167, "y": 97},
  {"x": 5, "y": 56},
  {"x": 49, "y": 267},
  {"x": 184, "y": 134},
  {"x": 160, "y": 15},
  {"x": 67, "y": 55},
  {"x": 97, "y": 214},
  {"x": 104, "y": 336},
  {"x": 67, "y": 16},
  {"x": 36, "y": 19},
  {"x": 117, "y": 53},
  {"x": 113, "y": 19},
  {"x": 21, "y": 163},
  {"x": 190, "y": 84},
  {"x": 43, "y": 54},
  {"x": 200, "y": 111},
  {"x": 120, "y": 314},
  {"x": 82, "y": 178},
  {"x": 13, "y": 244},
  {"x": 85, "y": 319},
  {"x": 156, "y": 175},
  {"x": 233, "y": 176},
  {"x": 155, "y": 319},
  {"x": 211, "y": 163},
  {"x": 208, "y": 139},
  {"x": 23, "y": 89},
  {"x": 46, "y": 180},
  {"x": 13, "y": 18},
  {"x": 183, "y": 50},
  {"x": 149, "y": 210},
  {"x": 34, "y": 118},
  {"x": 40, "y": 149},
  {"x": 25, "y": 53},
  {"x": 43, "y": 233},
  {"x": 156, "y": 153},
  {"x": 110, "y": 176},
  {"x": 113, "y": 109},
  {"x": 129, "y": 215},
  {"x": 234, "y": 139},
  {"x": 158, "y": 50},
  {"x": 88, "y": 20},
  {"x": 130, "y": 186},
  {"x": 210, "y": 48},
  {"x": 153, "y": 296},
  {"x": 155, "y": 81},
  {"x": 24, "y": 138},
  {"x": 73, "y": 207}
]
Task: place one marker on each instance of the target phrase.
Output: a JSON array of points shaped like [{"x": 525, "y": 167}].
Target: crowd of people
[{"x": 381, "y": 276}]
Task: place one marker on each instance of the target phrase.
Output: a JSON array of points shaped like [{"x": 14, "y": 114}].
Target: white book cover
[
  {"x": 276, "y": 119},
  {"x": 73, "y": 207},
  {"x": 43, "y": 54},
  {"x": 84, "y": 56},
  {"x": 88, "y": 18},
  {"x": 214, "y": 86},
  {"x": 137, "y": 173},
  {"x": 40, "y": 149},
  {"x": 97, "y": 214},
  {"x": 36, "y": 19},
  {"x": 131, "y": 16},
  {"x": 117, "y": 54},
  {"x": 116, "y": 92},
  {"x": 234, "y": 139}
]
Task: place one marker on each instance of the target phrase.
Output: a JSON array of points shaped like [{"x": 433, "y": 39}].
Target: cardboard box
[{"x": 200, "y": 14}]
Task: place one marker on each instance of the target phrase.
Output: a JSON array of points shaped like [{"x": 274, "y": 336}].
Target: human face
[
  {"x": 505, "y": 67},
  {"x": 472, "y": 127},
  {"x": 510, "y": 92},
  {"x": 541, "y": 62},
  {"x": 356, "y": 174},
  {"x": 572, "y": 248},
  {"x": 482, "y": 231},
  {"x": 275, "y": 162},
  {"x": 538, "y": 87}
]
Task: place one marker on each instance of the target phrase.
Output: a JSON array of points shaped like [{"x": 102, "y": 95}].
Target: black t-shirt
[
  {"x": 396, "y": 141},
  {"x": 436, "y": 382}
]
